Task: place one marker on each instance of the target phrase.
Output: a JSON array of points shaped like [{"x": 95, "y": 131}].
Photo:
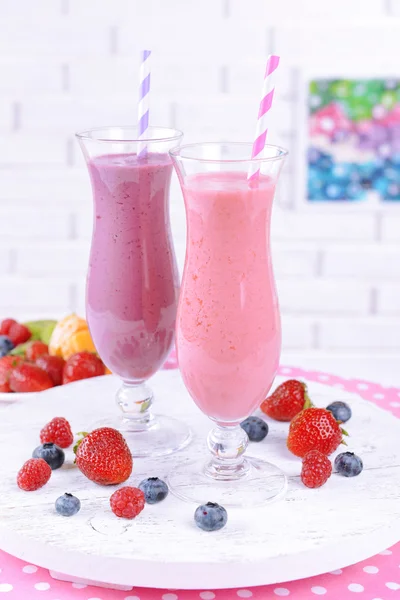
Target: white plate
[{"x": 308, "y": 533}]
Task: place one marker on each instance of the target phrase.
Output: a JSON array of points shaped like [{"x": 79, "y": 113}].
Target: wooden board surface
[{"x": 310, "y": 532}]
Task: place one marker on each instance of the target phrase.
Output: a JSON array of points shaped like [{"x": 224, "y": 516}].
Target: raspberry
[
  {"x": 58, "y": 431},
  {"x": 34, "y": 474},
  {"x": 316, "y": 469},
  {"x": 127, "y": 502}
]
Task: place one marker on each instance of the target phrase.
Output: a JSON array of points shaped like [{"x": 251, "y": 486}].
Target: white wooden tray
[{"x": 308, "y": 533}]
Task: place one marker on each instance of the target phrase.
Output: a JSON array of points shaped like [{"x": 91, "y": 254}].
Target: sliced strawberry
[
  {"x": 7, "y": 364},
  {"x": 29, "y": 378},
  {"x": 35, "y": 349},
  {"x": 53, "y": 365},
  {"x": 5, "y": 326},
  {"x": 19, "y": 334}
]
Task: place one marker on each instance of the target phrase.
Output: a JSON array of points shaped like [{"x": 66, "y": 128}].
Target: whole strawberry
[
  {"x": 53, "y": 365},
  {"x": 316, "y": 469},
  {"x": 33, "y": 475},
  {"x": 104, "y": 457},
  {"x": 35, "y": 349},
  {"x": 286, "y": 401},
  {"x": 29, "y": 378},
  {"x": 7, "y": 364},
  {"x": 19, "y": 333},
  {"x": 57, "y": 432},
  {"x": 127, "y": 502},
  {"x": 82, "y": 365},
  {"x": 314, "y": 429}
]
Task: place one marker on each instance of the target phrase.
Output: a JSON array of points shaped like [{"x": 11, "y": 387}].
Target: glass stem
[
  {"x": 227, "y": 444},
  {"x": 135, "y": 401}
]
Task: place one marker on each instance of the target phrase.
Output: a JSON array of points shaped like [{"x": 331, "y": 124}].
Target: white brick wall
[{"x": 338, "y": 271}]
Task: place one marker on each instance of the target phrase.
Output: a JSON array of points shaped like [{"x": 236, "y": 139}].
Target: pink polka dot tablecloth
[{"x": 377, "y": 578}]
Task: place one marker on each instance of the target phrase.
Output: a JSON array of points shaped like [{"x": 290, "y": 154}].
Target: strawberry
[
  {"x": 19, "y": 334},
  {"x": 5, "y": 326},
  {"x": 7, "y": 364},
  {"x": 29, "y": 378},
  {"x": 82, "y": 365},
  {"x": 53, "y": 365},
  {"x": 33, "y": 475},
  {"x": 35, "y": 349},
  {"x": 103, "y": 456},
  {"x": 286, "y": 401},
  {"x": 57, "y": 432},
  {"x": 316, "y": 469},
  {"x": 314, "y": 429},
  {"x": 127, "y": 502}
]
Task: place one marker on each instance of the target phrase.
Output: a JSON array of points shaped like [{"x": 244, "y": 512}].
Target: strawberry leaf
[{"x": 82, "y": 435}]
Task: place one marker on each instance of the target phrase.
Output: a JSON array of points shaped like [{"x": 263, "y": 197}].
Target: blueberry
[
  {"x": 6, "y": 345},
  {"x": 348, "y": 464},
  {"x": 255, "y": 428},
  {"x": 340, "y": 410},
  {"x": 210, "y": 516},
  {"x": 154, "y": 489},
  {"x": 51, "y": 453},
  {"x": 68, "y": 505}
]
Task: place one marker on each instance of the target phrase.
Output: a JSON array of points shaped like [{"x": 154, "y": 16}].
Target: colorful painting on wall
[{"x": 354, "y": 140}]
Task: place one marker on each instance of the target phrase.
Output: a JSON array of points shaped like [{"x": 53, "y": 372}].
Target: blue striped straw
[{"x": 144, "y": 102}]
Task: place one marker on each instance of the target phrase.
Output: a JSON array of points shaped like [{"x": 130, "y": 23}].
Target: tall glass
[
  {"x": 228, "y": 323},
  {"x": 132, "y": 281}
]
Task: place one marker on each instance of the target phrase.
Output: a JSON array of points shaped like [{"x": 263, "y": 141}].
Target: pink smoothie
[
  {"x": 132, "y": 283},
  {"x": 228, "y": 324}
]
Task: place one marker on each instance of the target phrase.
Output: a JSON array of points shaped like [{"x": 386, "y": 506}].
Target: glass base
[
  {"x": 159, "y": 436},
  {"x": 259, "y": 483}
]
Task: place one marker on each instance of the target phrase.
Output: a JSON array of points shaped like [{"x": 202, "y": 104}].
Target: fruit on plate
[
  {"x": 58, "y": 432},
  {"x": 348, "y": 464},
  {"x": 5, "y": 326},
  {"x": 82, "y": 365},
  {"x": 33, "y": 475},
  {"x": 155, "y": 490},
  {"x": 7, "y": 364},
  {"x": 314, "y": 429},
  {"x": 35, "y": 349},
  {"x": 67, "y": 505},
  {"x": 286, "y": 401},
  {"x": 41, "y": 330},
  {"x": 210, "y": 516},
  {"x": 316, "y": 469},
  {"x": 53, "y": 365},
  {"x": 127, "y": 502},
  {"x": 104, "y": 457},
  {"x": 256, "y": 428},
  {"x": 6, "y": 345},
  {"x": 19, "y": 333},
  {"x": 70, "y": 335},
  {"x": 29, "y": 378},
  {"x": 51, "y": 453}
]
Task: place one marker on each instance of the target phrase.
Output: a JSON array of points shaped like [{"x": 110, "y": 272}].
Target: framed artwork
[{"x": 352, "y": 141}]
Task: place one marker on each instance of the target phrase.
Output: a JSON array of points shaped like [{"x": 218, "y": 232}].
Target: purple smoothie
[{"x": 132, "y": 284}]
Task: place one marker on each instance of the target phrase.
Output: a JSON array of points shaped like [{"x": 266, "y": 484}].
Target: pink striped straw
[
  {"x": 144, "y": 102},
  {"x": 265, "y": 106}
]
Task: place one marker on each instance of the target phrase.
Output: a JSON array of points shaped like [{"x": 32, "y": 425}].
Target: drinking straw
[
  {"x": 265, "y": 106},
  {"x": 144, "y": 102}
]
